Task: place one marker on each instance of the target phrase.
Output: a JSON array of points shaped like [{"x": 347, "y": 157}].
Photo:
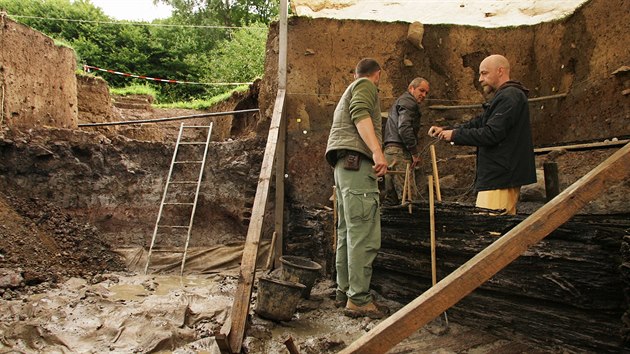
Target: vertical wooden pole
[
  {"x": 432, "y": 228},
  {"x": 404, "y": 193},
  {"x": 552, "y": 183},
  {"x": 279, "y": 205},
  {"x": 436, "y": 177},
  {"x": 282, "y": 45}
]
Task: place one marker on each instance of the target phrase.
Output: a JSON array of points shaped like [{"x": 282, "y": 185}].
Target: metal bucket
[
  {"x": 277, "y": 299},
  {"x": 300, "y": 270}
]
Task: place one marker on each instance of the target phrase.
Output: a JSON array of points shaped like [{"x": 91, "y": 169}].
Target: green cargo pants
[{"x": 358, "y": 230}]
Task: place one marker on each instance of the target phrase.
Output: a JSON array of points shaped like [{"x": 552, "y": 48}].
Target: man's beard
[{"x": 487, "y": 89}]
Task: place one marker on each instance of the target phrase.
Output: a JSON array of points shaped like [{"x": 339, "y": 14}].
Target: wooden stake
[
  {"x": 495, "y": 257},
  {"x": 291, "y": 347},
  {"x": 432, "y": 228},
  {"x": 436, "y": 177},
  {"x": 272, "y": 247},
  {"x": 404, "y": 192}
]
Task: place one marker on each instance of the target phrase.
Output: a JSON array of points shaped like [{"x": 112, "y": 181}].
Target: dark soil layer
[{"x": 45, "y": 244}]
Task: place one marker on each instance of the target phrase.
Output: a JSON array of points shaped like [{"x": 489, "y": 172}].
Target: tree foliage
[
  {"x": 225, "y": 12},
  {"x": 183, "y": 53}
]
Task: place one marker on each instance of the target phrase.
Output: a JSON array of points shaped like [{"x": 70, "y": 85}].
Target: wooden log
[
  {"x": 242, "y": 297},
  {"x": 494, "y": 258}
]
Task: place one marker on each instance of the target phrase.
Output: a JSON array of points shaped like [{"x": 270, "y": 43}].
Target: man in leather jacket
[{"x": 401, "y": 139}]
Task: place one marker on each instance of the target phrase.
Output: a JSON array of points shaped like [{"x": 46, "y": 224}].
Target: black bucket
[
  {"x": 300, "y": 270},
  {"x": 277, "y": 299}
]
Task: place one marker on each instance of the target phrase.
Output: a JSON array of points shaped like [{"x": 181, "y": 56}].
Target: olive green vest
[{"x": 360, "y": 97}]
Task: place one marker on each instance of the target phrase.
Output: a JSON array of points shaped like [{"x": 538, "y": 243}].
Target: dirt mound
[{"x": 39, "y": 244}]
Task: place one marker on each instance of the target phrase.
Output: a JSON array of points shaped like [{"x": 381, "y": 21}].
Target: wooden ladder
[{"x": 170, "y": 181}]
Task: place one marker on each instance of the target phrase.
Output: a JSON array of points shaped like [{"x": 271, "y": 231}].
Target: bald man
[{"x": 502, "y": 135}]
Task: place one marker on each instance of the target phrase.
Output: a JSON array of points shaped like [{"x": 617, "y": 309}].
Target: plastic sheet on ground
[{"x": 199, "y": 260}]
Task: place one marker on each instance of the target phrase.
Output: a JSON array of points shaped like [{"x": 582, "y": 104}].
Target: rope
[{"x": 87, "y": 69}]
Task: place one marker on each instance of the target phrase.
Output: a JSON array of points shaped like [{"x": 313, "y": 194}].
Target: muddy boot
[{"x": 371, "y": 310}]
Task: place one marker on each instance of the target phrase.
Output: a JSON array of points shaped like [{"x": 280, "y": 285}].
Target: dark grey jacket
[
  {"x": 403, "y": 123},
  {"x": 502, "y": 134}
]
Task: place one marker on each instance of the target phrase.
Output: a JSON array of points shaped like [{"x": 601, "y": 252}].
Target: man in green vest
[{"x": 354, "y": 151}]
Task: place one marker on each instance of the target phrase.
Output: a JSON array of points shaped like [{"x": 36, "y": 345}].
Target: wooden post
[
  {"x": 552, "y": 183},
  {"x": 279, "y": 205},
  {"x": 432, "y": 228},
  {"x": 436, "y": 177},
  {"x": 404, "y": 192},
  {"x": 495, "y": 257},
  {"x": 242, "y": 297},
  {"x": 283, "y": 44}
]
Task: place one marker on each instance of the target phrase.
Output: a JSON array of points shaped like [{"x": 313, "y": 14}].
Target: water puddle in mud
[{"x": 161, "y": 285}]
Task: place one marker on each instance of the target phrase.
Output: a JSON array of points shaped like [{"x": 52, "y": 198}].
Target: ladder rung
[
  {"x": 188, "y": 161},
  {"x": 178, "y": 203},
  {"x": 192, "y": 143},
  {"x": 183, "y": 182},
  {"x": 174, "y": 226},
  {"x": 196, "y": 126}
]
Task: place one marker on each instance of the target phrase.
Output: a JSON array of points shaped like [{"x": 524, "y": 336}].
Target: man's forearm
[{"x": 367, "y": 133}]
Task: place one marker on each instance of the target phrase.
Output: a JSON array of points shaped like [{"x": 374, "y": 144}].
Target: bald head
[{"x": 494, "y": 71}]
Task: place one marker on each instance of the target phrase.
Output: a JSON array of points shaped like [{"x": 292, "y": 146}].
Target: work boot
[{"x": 371, "y": 310}]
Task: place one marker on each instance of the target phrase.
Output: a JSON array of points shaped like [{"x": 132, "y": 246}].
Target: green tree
[
  {"x": 225, "y": 12},
  {"x": 238, "y": 59}
]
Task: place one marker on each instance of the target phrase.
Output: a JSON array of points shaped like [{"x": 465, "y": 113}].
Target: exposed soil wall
[
  {"x": 117, "y": 184},
  {"x": 37, "y": 79},
  {"x": 576, "y": 55}
]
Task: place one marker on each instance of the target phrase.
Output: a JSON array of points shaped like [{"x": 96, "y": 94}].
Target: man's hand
[
  {"x": 446, "y": 135},
  {"x": 380, "y": 163},
  {"x": 435, "y": 131},
  {"x": 417, "y": 160}
]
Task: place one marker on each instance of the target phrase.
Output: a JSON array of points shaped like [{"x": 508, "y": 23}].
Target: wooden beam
[
  {"x": 495, "y": 257},
  {"x": 279, "y": 210},
  {"x": 585, "y": 146},
  {"x": 478, "y": 105},
  {"x": 242, "y": 297}
]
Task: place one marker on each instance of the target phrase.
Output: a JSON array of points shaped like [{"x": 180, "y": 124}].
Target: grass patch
[
  {"x": 135, "y": 89},
  {"x": 201, "y": 104}
]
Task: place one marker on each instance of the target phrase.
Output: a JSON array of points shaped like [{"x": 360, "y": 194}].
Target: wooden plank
[
  {"x": 279, "y": 204},
  {"x": 495, "y": 257},
  {"x": 478, "y": 105},
  {"x": 582, "y": 146},
  {"x": 240, "y": 308}
]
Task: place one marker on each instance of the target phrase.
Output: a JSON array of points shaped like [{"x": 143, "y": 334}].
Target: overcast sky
[{"x": 133, "y": 9}]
